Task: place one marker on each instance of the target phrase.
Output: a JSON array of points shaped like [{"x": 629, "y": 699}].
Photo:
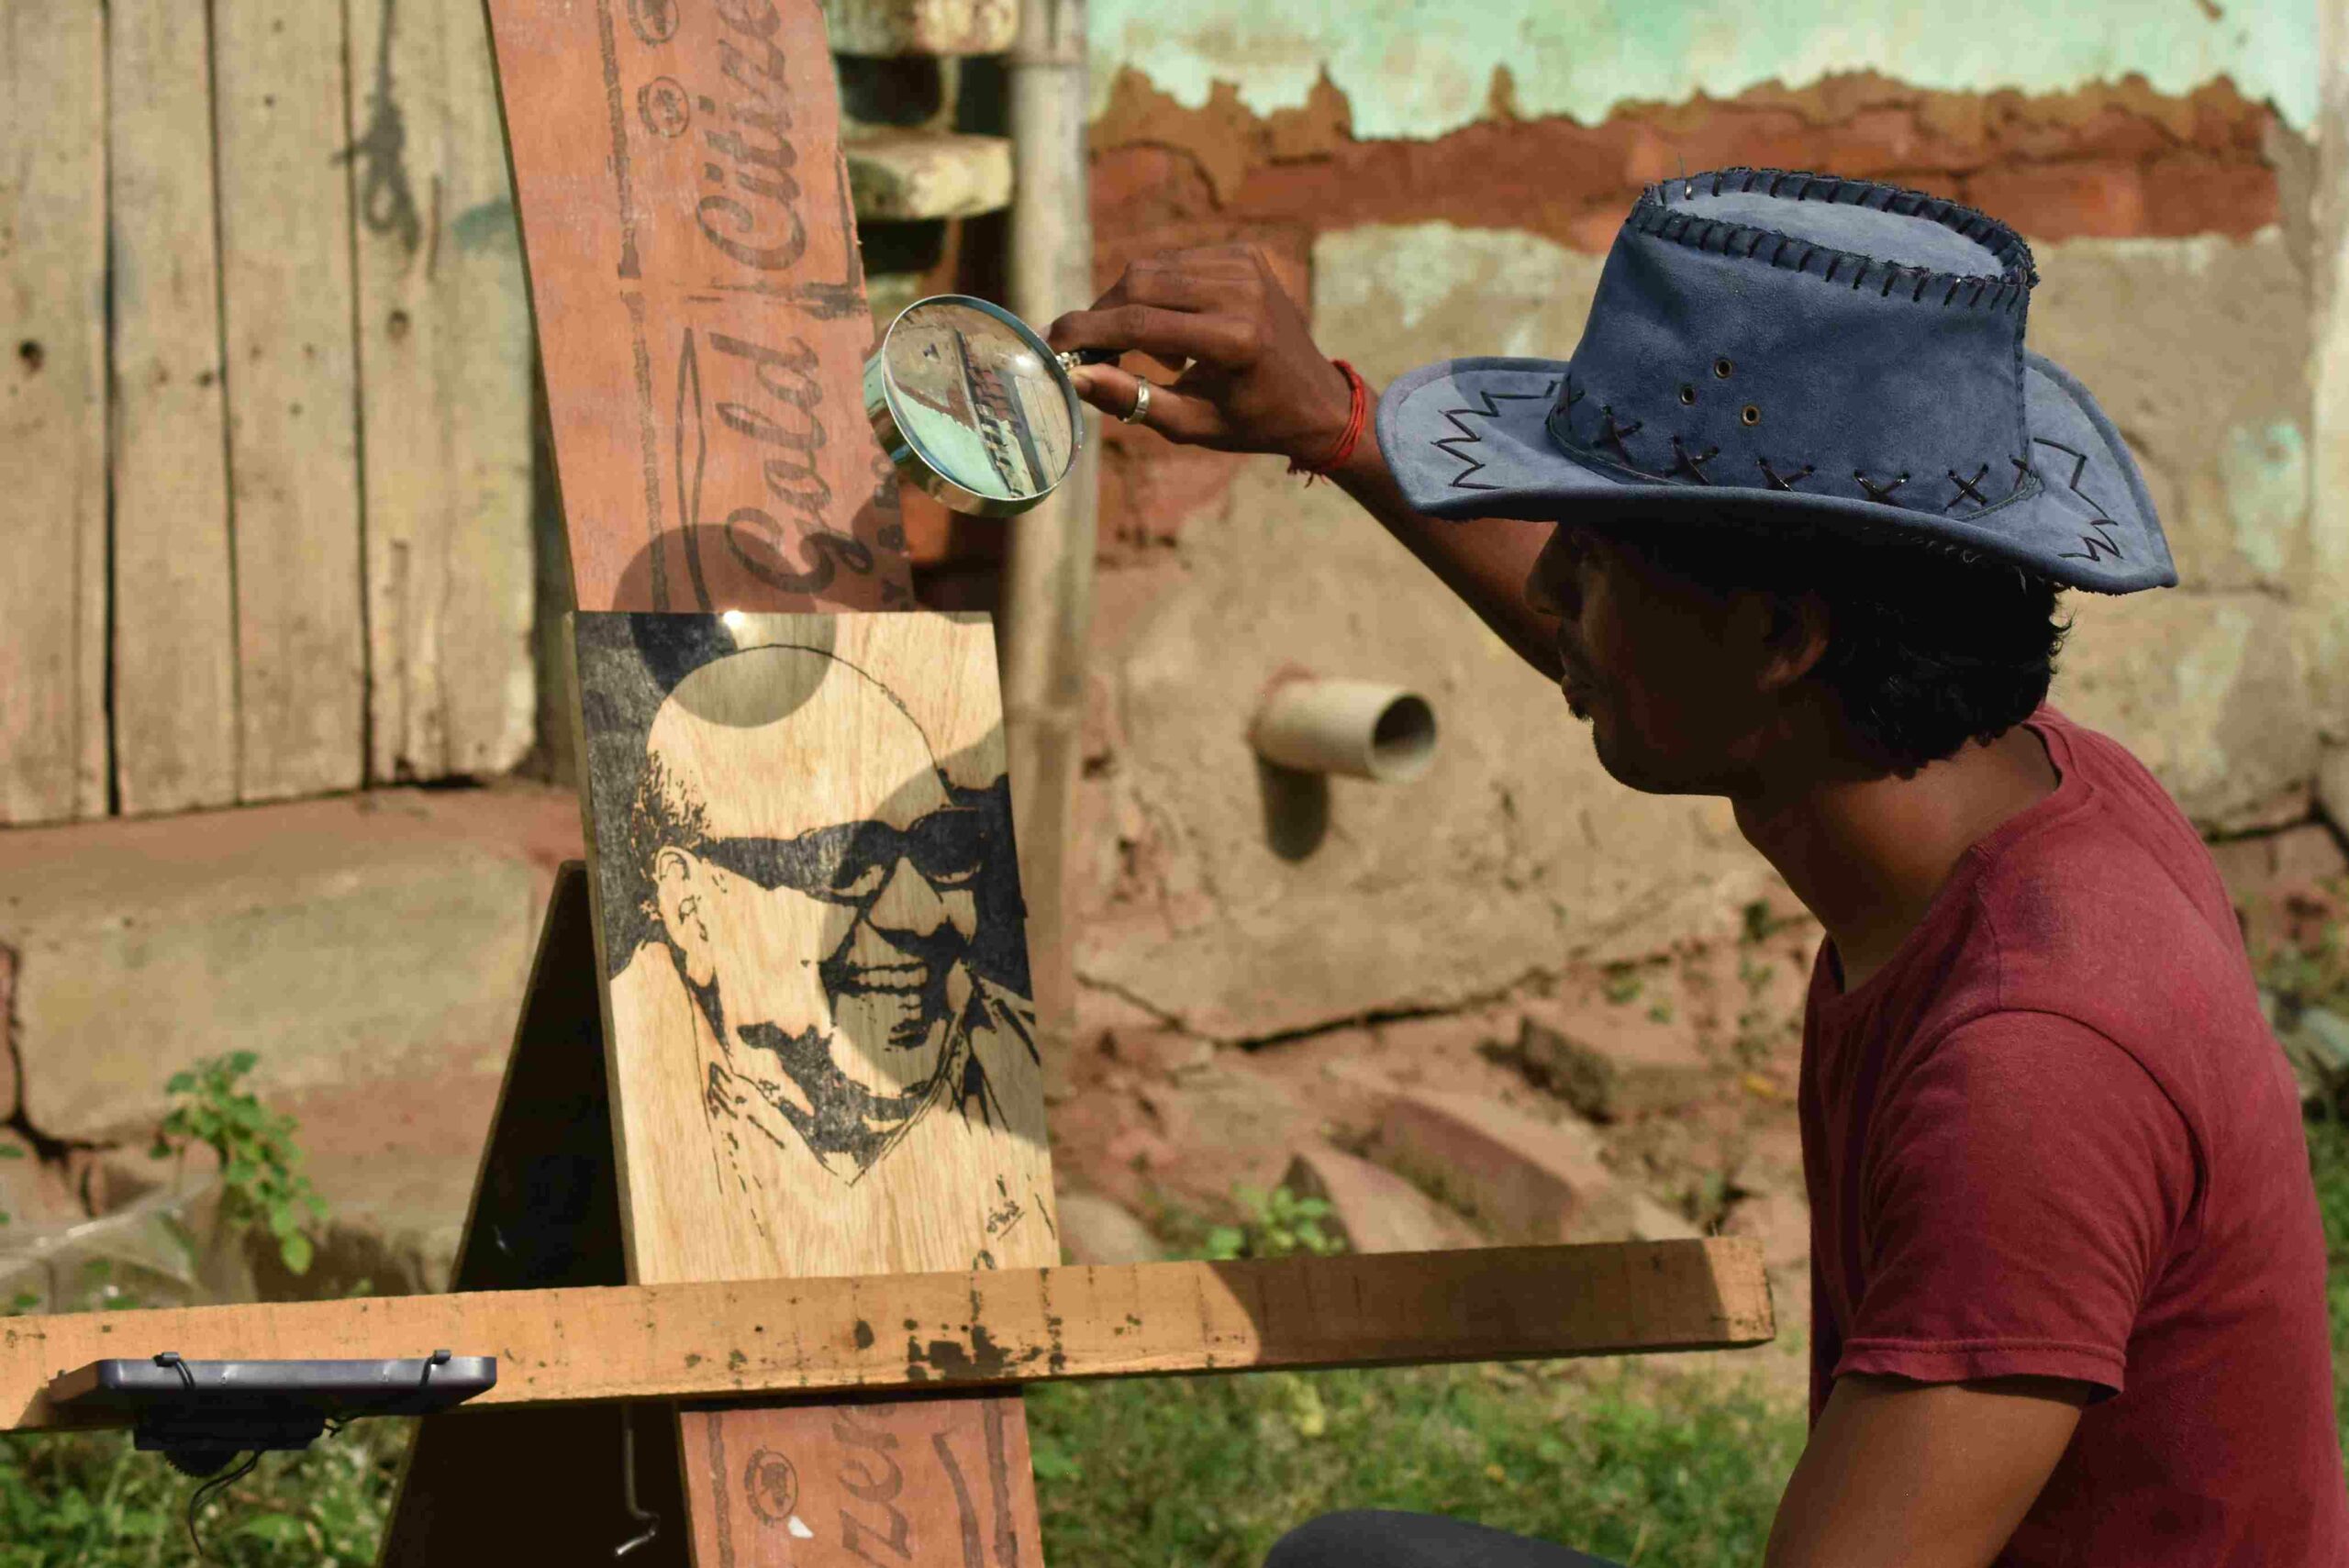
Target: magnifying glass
[{"x": 972, "y": 406}]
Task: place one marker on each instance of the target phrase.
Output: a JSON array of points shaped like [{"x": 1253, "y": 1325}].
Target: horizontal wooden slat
[
  {"x": 900, "y": 1331},
  {"x": 901, "y": 176}
]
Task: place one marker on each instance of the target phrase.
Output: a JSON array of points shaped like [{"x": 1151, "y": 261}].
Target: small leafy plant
[
  {"x": 1275, "y": 1224},
  {"x": 261, "y": 1165}
]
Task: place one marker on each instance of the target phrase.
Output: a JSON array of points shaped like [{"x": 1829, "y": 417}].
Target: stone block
[
  {"x": 1610, "y": 1062},
  {"x": 37, "y": 1197},
  {"x": 1374, "y": 1209},
  {"x": 903, "y": 175},
  {"x": 2254, "y": 866},
  {"x": 354, "y": 944},
  {"x": 2332, "y": 787},
  {"x": 1530, "y": 1180},
  {"x": 921, "y": 26},
  {"x": 1099, "y": 1230}
]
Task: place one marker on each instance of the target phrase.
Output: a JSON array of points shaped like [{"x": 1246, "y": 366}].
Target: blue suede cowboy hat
[{"x": 1845, "y": 353}]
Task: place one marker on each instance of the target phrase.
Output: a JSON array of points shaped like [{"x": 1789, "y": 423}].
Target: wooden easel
[{"x": 670, "y": 1396}]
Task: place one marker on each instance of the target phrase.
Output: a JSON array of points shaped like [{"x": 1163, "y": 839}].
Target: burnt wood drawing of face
[{"x": 842, "y": 916}]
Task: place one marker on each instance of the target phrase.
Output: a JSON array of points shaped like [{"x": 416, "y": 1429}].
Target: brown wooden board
[
  {"x": 700, "y": 304},
  {"x": 768, "y": 1339},
  {"x": 445, "y": 393},
  {"x": 53, "y": 416},
  {"x": 278, "y": 113},
  {"x": 823, "y": 1051},
  {"x": 174, "y": 645}
]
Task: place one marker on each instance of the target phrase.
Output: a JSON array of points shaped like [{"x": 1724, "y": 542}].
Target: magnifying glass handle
[{"x": 1076, "y": 357}]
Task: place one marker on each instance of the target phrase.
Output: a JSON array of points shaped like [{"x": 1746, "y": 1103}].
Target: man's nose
[{"x": 908, "y": 901}]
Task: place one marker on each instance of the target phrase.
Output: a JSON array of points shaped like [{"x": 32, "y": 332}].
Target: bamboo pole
[{"x": 1048, "y": 569}]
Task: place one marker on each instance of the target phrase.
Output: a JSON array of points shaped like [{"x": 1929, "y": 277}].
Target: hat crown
[{"x": 1788, "y": 331}]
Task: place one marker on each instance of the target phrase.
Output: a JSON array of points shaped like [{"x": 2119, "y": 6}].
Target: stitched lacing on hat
[{"x": 2004, "y": 291}]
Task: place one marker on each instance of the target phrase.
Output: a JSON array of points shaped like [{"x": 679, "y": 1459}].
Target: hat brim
[{"x": 1469, "y": 438}]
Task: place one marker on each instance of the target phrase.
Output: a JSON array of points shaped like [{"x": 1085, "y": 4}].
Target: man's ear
[
  {"x": 1793, "y": 641},
  {"x": 681, "y": 888}
]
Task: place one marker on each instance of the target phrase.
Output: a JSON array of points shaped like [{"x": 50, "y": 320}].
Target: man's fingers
[
  {"x": 1177, "y": 416},
  {"x": 1228, "y": 342}
]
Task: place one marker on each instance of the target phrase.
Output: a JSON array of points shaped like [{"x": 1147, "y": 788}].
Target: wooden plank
[
  {"x": 54, "y": 419},
  {"x": 700, "y": 310},
  {"x": 699, "y": 303},
  {"x": 174, "y": 611},
  {"x": 444, "y": 359},
  {"x": 772, "y": 1337},
  {"x": 821, "y": 1065},
  {"x": 545, "y": 1212},
  {"x": 293, "y": 435}
]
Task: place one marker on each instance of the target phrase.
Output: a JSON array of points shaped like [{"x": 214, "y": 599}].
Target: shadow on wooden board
[{"x": 544, "y": 1484}]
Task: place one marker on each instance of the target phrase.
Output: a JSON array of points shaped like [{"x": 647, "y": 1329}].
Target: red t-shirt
[{"x": 2053, "y": 1136}]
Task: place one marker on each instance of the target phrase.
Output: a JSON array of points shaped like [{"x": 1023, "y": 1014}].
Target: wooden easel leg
[{"x": 483, "y": 1485}]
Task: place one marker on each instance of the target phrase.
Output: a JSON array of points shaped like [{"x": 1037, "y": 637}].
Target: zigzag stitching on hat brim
[
  {"x": 2006, "y": 290},
  {"x": 2100, "y": 541},
  {"x": 1491, "y": 410}
]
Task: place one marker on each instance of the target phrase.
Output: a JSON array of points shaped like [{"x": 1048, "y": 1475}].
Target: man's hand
[
  {"x": 1248, "y": 377},
  {"x": 1902, "y": 1474}
]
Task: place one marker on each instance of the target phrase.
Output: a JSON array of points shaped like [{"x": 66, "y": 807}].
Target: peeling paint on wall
[{"x": 1415, "y": 70}]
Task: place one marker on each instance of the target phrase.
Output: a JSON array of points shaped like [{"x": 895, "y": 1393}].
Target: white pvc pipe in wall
[{"x": 1361, "y": 729}]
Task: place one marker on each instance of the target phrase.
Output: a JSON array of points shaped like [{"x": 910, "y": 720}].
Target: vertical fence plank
[
  {"x": 53, "y": 415},
  {"x": 174, "y": 615},
  {"x": 444, "y": 358},
  {"x": 293, "y": 439}
]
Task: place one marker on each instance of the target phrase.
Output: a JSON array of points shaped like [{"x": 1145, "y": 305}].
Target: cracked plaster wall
[{"x": 1419, "y": 68}]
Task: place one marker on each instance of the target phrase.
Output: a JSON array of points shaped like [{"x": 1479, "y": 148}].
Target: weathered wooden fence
[{"x": 265, "y": 464}]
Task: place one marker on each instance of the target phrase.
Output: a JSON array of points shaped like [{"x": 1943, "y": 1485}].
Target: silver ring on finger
[{"x": 1142, "y": 405}]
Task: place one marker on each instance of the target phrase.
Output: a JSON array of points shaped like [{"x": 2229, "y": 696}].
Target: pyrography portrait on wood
[{"x": 810, "y": 928}]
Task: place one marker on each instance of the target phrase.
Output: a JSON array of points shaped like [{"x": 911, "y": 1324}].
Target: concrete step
[
  {"x": 921, "y": 26},
  {"x": 370, "y": 949},
  {"x": 902, "y": 175},
  {"x": 1374, "y": 1209},
  {"x": 1532, "y": 1181}
]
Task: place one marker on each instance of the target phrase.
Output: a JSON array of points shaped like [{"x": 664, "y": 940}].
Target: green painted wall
[{"x": 1417, "y": 68}]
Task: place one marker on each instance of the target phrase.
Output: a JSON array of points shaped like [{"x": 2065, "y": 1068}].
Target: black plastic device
[{"x": 201, "y": 1415}]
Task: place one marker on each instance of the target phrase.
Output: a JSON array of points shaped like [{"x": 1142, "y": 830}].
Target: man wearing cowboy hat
[{"x": 1789, "y": 528}]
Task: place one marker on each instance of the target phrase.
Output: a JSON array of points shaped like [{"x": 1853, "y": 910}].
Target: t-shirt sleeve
[{"x": 2024, "y": 1179}]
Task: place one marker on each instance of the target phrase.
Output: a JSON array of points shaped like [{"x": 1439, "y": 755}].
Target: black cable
[{"x": 197, "y": 1498}]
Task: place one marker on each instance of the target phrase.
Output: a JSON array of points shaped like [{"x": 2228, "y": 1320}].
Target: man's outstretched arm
[
  {"x": 1902, "y": 1475},
  {"x": 1250, "y": 380}
]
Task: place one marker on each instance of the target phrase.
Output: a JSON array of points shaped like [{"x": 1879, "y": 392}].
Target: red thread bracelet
[{"x": 1344, "y": 447}]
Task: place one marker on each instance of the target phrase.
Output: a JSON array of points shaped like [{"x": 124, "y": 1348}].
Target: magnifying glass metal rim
[{"x": 906, "y": 453}]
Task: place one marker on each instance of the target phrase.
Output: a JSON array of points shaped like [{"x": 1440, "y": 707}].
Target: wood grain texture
[
  {"x": 884, "y": 1333},
  {"x": 174, "y": 611},
  {"x": 53, "y": 415},
  {"x": 444, "y": 356},
  {"x": 823, "y": 1061},
  {"x": 293, "y": 419},
  {"x": 700, "y": 304}
]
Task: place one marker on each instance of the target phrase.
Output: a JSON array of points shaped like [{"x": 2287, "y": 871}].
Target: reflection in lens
[{"x": 977, "y": 402}]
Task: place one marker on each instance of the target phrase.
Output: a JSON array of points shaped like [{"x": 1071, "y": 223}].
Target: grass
[{"x": 1209, "y": 1472}]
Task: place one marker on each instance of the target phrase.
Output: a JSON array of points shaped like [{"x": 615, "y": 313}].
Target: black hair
[{"x": 1930, "y": 646}]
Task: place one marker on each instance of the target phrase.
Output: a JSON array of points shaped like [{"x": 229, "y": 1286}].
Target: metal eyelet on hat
[
  {"x": 1750, "y": 414},
  {"x": 1688, "y": 393},
  {"x": 1721, "y": 368}
]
